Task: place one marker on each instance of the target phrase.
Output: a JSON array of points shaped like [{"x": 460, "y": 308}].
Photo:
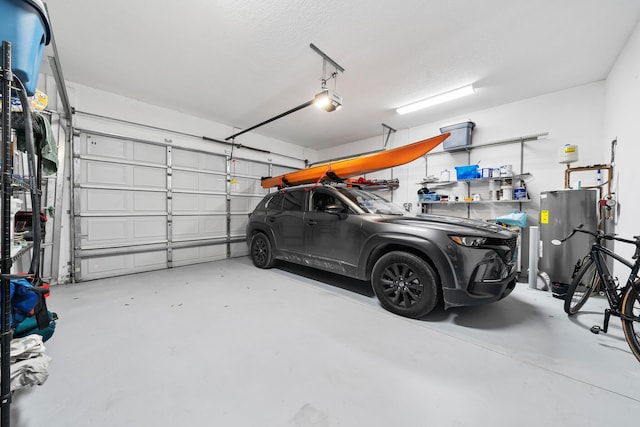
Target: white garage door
[{"x": 141, "y": 206}]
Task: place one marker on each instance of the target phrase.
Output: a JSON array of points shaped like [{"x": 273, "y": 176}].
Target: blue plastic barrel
[{"x": 26, "y": 25}]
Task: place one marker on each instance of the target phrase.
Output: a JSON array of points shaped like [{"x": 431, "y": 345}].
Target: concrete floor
[{"x": 227, "y": 344}]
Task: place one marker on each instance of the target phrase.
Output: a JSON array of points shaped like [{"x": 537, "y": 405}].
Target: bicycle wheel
[
  {"x": 581, "y": 287},
  {"x": 631, "y": 319}
]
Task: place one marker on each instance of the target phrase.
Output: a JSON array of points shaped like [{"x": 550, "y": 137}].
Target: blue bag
[{"x": 516, "y": 218}]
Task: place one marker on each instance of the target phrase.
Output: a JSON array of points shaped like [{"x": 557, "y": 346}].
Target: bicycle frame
[{"x": 597, "y": 251}]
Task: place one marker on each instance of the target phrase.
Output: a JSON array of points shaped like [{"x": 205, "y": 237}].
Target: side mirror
[
  {"x": 336, "y": 210},
  {"x": 556, "y": 242}
]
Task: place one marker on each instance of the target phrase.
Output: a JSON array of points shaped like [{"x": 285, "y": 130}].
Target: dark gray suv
[{"x": 412, "y": 261}]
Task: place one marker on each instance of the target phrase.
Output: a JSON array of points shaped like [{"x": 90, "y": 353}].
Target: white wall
[{"x": 622, "y": 108}]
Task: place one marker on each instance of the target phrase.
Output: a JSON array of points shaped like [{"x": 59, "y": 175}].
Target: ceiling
[{"x": 240, "y": 62}]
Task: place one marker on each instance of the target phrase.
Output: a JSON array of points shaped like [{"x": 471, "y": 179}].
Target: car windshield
[{"x": 371, "y": 202}]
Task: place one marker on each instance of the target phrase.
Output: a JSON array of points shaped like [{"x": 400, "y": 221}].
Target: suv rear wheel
[
  {"x": 261, "y": 253},
  {"x": 405, "y": 284}
]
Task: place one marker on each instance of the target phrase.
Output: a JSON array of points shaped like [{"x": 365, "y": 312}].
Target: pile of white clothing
[{"x": 29, "y": 364}]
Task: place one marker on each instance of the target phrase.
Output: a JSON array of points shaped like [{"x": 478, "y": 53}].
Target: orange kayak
[{"x": 346, "y": 168}]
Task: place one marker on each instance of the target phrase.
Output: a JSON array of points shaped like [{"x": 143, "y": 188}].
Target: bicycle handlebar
[{"x": 578, "y": 228}]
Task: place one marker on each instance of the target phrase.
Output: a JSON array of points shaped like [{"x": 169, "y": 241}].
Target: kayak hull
[{"x": 347, "y": 168}]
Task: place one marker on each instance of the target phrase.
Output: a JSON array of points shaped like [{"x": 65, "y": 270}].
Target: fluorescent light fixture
[
  {"x": 328, "y": 101},
  {"x": 437, "y": 99}
]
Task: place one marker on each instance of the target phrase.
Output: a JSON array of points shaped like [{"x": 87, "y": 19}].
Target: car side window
[
  {"x": 293, "y": 200},
  {"x": 321, "y": 200},
  {"x": 275, "y": 203}
]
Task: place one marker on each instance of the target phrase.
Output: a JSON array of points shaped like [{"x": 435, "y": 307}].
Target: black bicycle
[{"x": 592, "y": 273}]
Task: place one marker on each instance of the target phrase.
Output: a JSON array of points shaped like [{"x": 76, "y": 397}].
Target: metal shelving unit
[
  {"x": 521, "y": 175},
  {"x": 474, "y": 202},
  {"x": 9, "y": 83}
]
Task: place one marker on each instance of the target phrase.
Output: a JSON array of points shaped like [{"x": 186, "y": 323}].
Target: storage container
[
  {"x": 467, "y": 172},
  {"x": 460, "y": 135},
  {"x": 507, "y": 192},
  {"x": 568, "y": 154},
  {"x": 520, "y": 193},
  {"x": 429, "y": 197},
  {"x": 25, "y": 24}
]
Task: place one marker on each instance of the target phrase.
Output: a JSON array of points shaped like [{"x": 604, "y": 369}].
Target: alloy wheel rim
[
  {"x": 402, "y": 286},
  {"x": 260, "y": 251}
]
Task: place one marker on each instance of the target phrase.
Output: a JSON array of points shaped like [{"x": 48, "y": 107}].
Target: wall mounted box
[
  {"x": 460, "y": 135},
  {"x": 25, "y": 24}
]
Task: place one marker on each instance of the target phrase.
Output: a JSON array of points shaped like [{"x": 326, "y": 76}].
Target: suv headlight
[{"x": 472, "y": 241}]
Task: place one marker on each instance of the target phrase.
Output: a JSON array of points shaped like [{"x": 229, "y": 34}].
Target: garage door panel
[
  {"x": 101, "y": 173},
  {"x": 121, "y": 264},
  {"x": 97, "y": 200},
  {"x": 238, "y": 225},
  {"x": 183, "y": 202},
  {"x": 149, "y": 153},
  {"x": 104, "y": 147},
  {"x": 149, "y": 177},
  {"x": 280, "y": 170},
  {"x": 214, "y": 183},
  {"x": 244, "y": 204},
  {"x": 104, "y": 173},
  {"x": 199, "y": 227},
  {"x": 187, "y": 256},
  {"x": 197, "y": 160},
  {"x": 196, "y": 181},
  {"x": 246, "y": 167},
  {"x": 149, "y": 228},
  {"x": 187, "y": 203},
  {"x": 213, "y": 163},
  {"x": 247, "y": 186},
  {"x": 212, "y": 203},
  {"x": 239, "y": 249},
  {"x": 104, "y": 231},
  {"x": 123, "y": 150},
  {"x": 182, "y": 158},
  {"x": 149, "y": 202},
  {"x": 184, "y": 180}
]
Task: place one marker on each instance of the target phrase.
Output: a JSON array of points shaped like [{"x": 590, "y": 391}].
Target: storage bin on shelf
[
  {"x": 431, "y": 196},
  {"x": 467, "y": 172},
  {"x": 460, "y": 135},
  {"x": 25, "y": 24}
]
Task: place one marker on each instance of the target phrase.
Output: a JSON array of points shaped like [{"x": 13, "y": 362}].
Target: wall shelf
[
  {"x": 497, "y": 178},
  {"x": 521, "y": 175},
  {"x": 474, "y": 202}
]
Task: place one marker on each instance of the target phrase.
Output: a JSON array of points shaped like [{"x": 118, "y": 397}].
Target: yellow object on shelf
[{"x": 39, "y": 102}]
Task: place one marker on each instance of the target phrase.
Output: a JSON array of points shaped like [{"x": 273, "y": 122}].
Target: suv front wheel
[
  {"x": 261, "y": 252},
  {"x": 405, "y": 284}
]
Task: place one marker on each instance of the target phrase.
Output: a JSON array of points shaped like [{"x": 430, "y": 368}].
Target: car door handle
[
  {"x": 312, "y": 222},
  {"x": 271, "y": 219}
]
